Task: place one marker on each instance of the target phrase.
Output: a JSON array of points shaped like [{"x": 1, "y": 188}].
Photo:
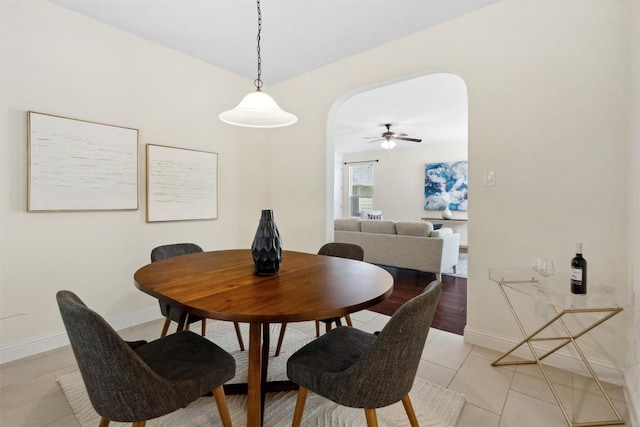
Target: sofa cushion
[
  {"x": 414, "y": 228},
  {"x": 443, "y": 232},
  {"x": 347, "y": 224},
  {"x": 379, "y": 226}
]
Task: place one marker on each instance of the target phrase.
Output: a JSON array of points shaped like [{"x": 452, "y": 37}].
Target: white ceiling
[
  {"x": 299, "y": 36},
  {"x": 431, "y": 107}
]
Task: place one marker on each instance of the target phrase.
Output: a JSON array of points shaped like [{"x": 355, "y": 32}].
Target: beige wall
[
  {"x": 399, "y": 178},
  {"x": 549, "y": 111},
  {"x": 57, "y": 62},
  {"x": 633, "y": 371}
]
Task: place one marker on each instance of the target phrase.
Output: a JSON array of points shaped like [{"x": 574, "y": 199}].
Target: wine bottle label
[{"x": 576, "y": 274}]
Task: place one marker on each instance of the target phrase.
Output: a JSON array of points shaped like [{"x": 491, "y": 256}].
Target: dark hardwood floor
[{"x": 451, "y": 314}]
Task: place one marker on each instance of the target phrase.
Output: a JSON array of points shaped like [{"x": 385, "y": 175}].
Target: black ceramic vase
[{"x": 267, "y": 245}]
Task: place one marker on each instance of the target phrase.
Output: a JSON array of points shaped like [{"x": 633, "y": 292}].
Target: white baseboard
[
  {"x": 562, "y": 359},
  {"x": 59, "y": 339}
]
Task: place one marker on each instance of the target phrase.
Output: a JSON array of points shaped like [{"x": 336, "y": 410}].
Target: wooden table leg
[
  {"x": 254, "y": 387},
  {"x": 266, "y": 333}
]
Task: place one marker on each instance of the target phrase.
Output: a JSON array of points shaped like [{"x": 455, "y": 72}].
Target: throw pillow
[
  {"x": 364, "y": 214},
  {"x": 443, "y": 232},
  {"x": 374, "y": 216}
]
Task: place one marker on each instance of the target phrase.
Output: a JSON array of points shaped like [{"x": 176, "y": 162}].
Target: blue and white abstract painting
[{"x": 445, "y": 184}]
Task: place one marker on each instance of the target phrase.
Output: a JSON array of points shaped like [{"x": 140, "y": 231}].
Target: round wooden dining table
[{"x": 223, "y": 285}]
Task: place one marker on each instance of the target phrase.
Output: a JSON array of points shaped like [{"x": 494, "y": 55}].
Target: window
[{"x": 360, "y": 188}]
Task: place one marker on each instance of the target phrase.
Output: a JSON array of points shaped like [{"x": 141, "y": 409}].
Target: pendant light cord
[{"x": 258, "y": 82}]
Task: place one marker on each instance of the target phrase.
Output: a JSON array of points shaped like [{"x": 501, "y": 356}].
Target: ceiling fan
[{"x": 389, "y": 138}]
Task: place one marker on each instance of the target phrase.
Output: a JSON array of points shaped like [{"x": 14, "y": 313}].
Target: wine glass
[
  {"x": 546, "y": 270},
  {"x": 535, "y": 263},
  {"x": 544, "y": 267}
]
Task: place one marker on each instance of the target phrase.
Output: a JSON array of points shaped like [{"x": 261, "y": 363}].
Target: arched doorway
[{"x": 431, "y": 107}]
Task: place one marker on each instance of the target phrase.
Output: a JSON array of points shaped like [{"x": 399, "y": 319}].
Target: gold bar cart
[{"x": 562, "y": 304}]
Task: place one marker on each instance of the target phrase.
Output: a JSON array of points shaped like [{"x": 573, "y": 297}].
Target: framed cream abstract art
[
  {"x": 76, "y": 165},
  {"x": 182, "y": 184}
]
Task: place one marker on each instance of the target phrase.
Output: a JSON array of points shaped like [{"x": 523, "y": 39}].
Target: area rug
[
  {"x": 461, "y": 267},
  {"x": 434, "y": 405}
]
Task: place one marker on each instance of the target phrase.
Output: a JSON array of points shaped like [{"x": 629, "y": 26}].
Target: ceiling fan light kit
[
  {"x": 257, "y": 109},
  {"x": 389, "y": 138},
  {"x": 388, "y": 144}
]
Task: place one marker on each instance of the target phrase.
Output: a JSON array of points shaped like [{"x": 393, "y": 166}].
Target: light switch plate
[{"x": 489, "y": 179}]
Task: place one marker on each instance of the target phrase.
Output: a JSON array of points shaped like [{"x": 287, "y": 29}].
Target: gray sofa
[{"x": 404, "y": 244}]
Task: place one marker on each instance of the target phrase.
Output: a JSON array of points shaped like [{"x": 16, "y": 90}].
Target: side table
[{"x": 562, "y": 303}]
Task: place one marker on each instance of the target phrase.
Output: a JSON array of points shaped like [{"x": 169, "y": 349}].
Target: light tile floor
[{"x": 503, "y": 396}]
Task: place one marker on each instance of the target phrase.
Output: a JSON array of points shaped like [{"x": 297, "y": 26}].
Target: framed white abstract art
[
  {"x": 182, "y": 184},
  {"x": 76, "y": 165}
]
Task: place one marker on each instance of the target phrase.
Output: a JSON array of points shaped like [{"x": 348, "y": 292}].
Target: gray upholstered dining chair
[
  {"x": 138, "y": 381},
  {"x": 362, "y": 370},
  {"x": 173, "y": 312},
  {"x": 335, "y": 249}
]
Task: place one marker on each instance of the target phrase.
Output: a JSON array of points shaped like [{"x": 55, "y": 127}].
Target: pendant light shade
[{"x": 258, "y": 110}]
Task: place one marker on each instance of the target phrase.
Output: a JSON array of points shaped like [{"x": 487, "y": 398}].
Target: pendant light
[{"x": 257, "y": 109}]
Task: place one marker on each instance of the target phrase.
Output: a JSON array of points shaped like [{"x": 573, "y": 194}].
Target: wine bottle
[{"x": 578, "y": 272}]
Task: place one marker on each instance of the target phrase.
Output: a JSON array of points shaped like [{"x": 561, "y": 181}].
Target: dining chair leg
[
  {"x": 283, "y": 328},
  {"x": 104, "y": 422},
  {"x": 182, "y": 323},
  {"x": 317, "y": 328},
  {"x": 204, "y": 327},
  {"x": 328, "y": 326},
  {"x": 372, "y": 418},
  {"x": 348, "y": 319},
  {"x": 408, "y": 407},
  {"x": 165, "y": 327},
  {"x": 300, "y": 401},
  {"x": 138, "y": 423},
  {"x": 223, "y": 408},
  {"x": 236, "y": 325}
]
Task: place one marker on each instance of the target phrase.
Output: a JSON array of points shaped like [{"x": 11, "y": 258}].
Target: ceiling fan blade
[
  {"x": 390, "y": 136},
  {"x": 402, "y": 138}
]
